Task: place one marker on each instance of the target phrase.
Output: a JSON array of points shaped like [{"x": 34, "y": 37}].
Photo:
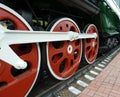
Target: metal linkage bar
[
  {"x": 19, "y": 36},
  {"x": 9, "y": 56},
  {"x": 8, "y": 37}
]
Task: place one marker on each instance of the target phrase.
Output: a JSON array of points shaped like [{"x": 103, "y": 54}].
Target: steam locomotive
[{"x": 54, "y": 36}]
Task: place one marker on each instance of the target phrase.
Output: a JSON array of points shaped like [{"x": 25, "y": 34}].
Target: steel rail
[{"x": 54, "y": 90}]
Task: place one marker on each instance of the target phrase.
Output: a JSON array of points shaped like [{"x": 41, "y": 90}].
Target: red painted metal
[
  {"x": 13, "y": 82},
  {"x": 64, "y": 57},
  {"x": 91, "y": 45}
]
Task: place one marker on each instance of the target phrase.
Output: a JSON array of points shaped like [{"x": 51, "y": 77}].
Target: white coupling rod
[
  {"x": 19, "y": 36},
  {"x": 9, "y": 37}
]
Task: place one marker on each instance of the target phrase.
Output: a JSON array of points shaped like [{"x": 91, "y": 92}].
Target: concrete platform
[{"x": 107, "y": 83}]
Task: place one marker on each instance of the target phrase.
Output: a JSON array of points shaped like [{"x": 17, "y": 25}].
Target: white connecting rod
[
  {"x": 8, "y": 37},
  {"x": 19, "y": 36},
  {"x": 9, "y": 56}
]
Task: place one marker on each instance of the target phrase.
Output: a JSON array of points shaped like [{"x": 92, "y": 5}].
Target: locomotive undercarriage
[{"x": 53, "y": 41}]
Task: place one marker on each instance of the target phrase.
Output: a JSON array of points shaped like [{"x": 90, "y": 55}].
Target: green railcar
[{"x": 110, "y": 21}]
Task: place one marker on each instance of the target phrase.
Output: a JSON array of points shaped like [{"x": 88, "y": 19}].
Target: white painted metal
[
  {"x": 8, "y": 37},
  {"x": 69, "y": 49},
  {"x": 82, "y": 83},
  {"x": 98, "y": 68},
  {"x": 47, "y": 49},
  {"x": 74, "y": 90},
  {"x": 93, "y": 43},
  {"x": 93, "y": 72},
  {"x": 15, "y": 36},
  {"x": 89, "y": 77},
  {"x": 13, "y": 54},
  {"x": 9, "y": 56}
]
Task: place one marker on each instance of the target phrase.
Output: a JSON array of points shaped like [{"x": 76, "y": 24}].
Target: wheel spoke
[
  {"x": 91, "y": 45},
  {"x": 62, "y": 56},
  {"x": 60, "y": 63},
  {"x": 12, "y": 80},
  {"x": 88, "y": 44},
  {"x": 54, "y": 50},
  {"x": 88, "y": 51},
  {"x": 3, "y": 78}
]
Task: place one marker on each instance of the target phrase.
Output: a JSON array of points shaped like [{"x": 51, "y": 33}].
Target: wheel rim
[
  {"x": 64, "y": 57},
  {"x": 13, "y": 81},
  {"x": 91, "y": 45}
]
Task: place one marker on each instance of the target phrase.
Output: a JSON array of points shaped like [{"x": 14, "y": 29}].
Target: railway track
[{"x": 77, "y": 83}]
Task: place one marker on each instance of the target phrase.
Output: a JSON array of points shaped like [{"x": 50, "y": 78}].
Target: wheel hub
[
  {"x": 9, "y": 80},
  {"x": 64, "y": 57},
  {"x": 69, "y": 49},
  {"x": 91, "y": 45}
]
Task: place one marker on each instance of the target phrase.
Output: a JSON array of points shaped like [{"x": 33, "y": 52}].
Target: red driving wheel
[
  {"x": 64, "y": 57},
  {"x": 13, "y": 82},
  {"x": 91, "y": 45}
]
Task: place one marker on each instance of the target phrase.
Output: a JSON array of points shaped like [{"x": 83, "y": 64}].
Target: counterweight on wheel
[{"x": 14, "y": 82}]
